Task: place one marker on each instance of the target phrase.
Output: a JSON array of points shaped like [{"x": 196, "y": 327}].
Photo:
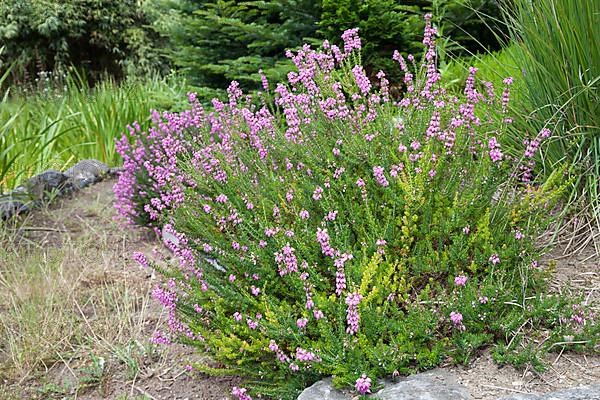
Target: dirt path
[{"x": 72, "y": 264}]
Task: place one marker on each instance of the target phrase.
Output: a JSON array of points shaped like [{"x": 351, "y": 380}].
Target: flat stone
[
  {"x": 322, "y": 390},
  {"x": 87, "y": 172},
  {"x": 431, "y": 385},
  {"x": 590, "y": 392}
]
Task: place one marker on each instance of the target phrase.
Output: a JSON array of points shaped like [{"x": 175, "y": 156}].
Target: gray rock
[
  {"x": 10, "y": 208},
  {"x": 322, "y": 390},
  {"x": 591, "y": 392},
  {"x": 87, "y": 172},
  {"x": 46, "y": 182},
  {"x": 432, "y": 385},
  {"x": 14, "y": 203}
]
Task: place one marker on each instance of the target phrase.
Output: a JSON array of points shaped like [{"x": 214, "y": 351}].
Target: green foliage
[
  {"x": 99, "y": 36},
  {"x": 491, "y": 67},
  {"x": 384, "y": 26},
  {"x": 220, "y": 41},
  {"x": 469, "y": 26},
  {"x": 54, "y": 128},
  {"x": 557, "y": 50}
]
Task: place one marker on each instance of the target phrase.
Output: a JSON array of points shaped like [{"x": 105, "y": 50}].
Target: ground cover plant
[{"x": 328, "y": 230}]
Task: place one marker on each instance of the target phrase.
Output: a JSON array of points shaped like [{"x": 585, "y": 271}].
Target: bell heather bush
[{"x": 330, "y": 230}]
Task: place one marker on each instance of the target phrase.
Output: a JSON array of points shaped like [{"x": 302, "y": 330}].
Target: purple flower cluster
[
  {"x": 352, "y": 315},
  {"x": 363, "y": 384}
]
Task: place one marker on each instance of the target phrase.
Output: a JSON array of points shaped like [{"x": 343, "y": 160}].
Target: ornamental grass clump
[{"x": 332, "y": 230}]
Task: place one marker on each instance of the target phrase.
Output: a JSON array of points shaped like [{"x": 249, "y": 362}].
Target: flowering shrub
[{"x": 334, "y": 231}]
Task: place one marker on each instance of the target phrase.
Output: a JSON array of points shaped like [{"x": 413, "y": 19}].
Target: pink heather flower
[
  {"x": 221, "y": 198},
  {"x": 249, "y": 205},
  {"x": 318, "y": 314},
  {"x": 207, "y": 208},
  {"x": 456, "y": 319},
  {"x": 466, "y": 230},
  {"x": 264, "y": 80},
  {"x": 545, "y": 133},
  {"x": 323, "y": 239},
  {"x": 252, "y": 324},
  {"x": 317, "y": 194},
  {"x": 275, "y": 212},
  {"x": 494, "y": 259},
  {"x": 294, "y": 367},
  {"x": 519, "y": 235},
  {"x": 363, "y": 384},
  {"x": 483, "y": 299},
  {"x": 301, "y": 322},
  {"x": 273, "y": 346},
  {"x": 256, "y": 277},
  {"x": 207, "y": 248},
  {"x": 495, "y": 152},
  {"x": 262, "y": 243},
  {"x": 140, "y": 258},
  {"x": 237, "y": 316},
  {"x": 363, "y": 83},
  {"x": 534, "y": 264},
  {"x": 415, "y": 145},
  {"x": 402, "y": 148},
  {"x": 289, "y": 196},
  {"x": 331, "y": 215},
  {"x": 338, "y": 173},
  {"x": 231, "y": 277},
  {"x": 340, "y": 275},
  {"x": 304, "y": 214},
  {"x": 460, "y": 280},
  {"x": 381, "y": 245},
  {"x": 255, "y": 290},
  {"x": 379, "y": 176},
  {"x": 235, "y": 245},
  {"x": 352, "y": 316},
  {"x": 360, "y": 183},
  {"x": 159, "y": 337},
  {"x": 303, "y": 355},
  {"x": 508, "y": 81},
  {"x": 336, "y": 151},
  {"x": 240, "y": 393}
]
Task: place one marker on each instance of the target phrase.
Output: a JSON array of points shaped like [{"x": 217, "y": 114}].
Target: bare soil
[{"x": 128, "y": 367}]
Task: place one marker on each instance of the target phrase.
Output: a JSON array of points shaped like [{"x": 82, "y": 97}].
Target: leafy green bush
[
  {"x": 99, "y": 36},
  {"x": 219, "y": 41},
  {"x": 332, "y": 231}
]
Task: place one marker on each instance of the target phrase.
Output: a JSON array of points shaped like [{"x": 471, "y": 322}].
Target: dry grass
[{"x": 72, "y": 304}]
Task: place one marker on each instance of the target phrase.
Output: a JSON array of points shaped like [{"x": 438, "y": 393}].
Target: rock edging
[
  {"x": 438, "y": 385},
  {"x": 52, "y": 183}
]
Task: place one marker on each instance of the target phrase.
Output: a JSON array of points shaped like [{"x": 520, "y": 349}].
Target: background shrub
[{"x": 98, "y": 36}]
